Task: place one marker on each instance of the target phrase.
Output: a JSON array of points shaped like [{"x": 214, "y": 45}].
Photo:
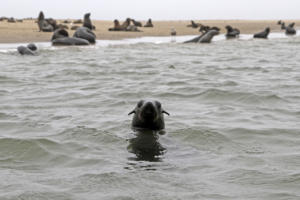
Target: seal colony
[{"x": 84, "y": 34}]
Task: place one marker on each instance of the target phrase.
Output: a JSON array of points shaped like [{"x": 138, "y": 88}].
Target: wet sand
[{"x": 27, "y": 31}]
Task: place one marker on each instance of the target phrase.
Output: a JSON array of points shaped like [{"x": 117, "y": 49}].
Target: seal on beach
[
  {"x": 74, "y": 27},
  {"x": 149, "y": 24},
  {"x": 193, "y": 24},
  {"x": 136, "y": 23},
  {"x": 264, "y": 34},
  {"x": 148, "y": 115},
  {"x": 290, "y": 30},
  {"x": 62, "y": 26},
  {"x": 279, "y": 22},
  {"x": 11, "y": 20},
  {"x": 232, "y": 32},
  {"x": 78, "y": 21},
  {"x": 117, "y": 26},
  {"x": 132, "y": 28},
  {"x": 30, "y": 49},
  {"x": 85, "y": 33},
  {"x": 283, "y": 27},
  {"x": 87, "y": 21},
  {"x": 204, "y": 38},
  {"x": 46, "y": 25},
  {"x": 204, "y": 29},
  {"x": 61, "y": 38},
  {"x": 125, "y": 24}
]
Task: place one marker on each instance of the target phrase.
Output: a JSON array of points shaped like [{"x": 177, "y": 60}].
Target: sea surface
[{"x": 233, "y": 132}]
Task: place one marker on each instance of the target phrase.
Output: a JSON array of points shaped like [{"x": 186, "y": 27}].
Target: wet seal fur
[
  {"x": 290, "y": 30},
  {"x": 232, "y": 32},
  {"x": 61, "y": 38},
  {"x": 85, "y": 33},
  {"x": 146, "y": 146},
  {"x": 264, "y": 34},
  {"x": 30, "y": 49},
  {"x": 204, "y": 38},
  {"x": 148, "y": 115}
]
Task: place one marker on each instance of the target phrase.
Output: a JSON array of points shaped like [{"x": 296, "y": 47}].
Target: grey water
[{"x": 233, "y": 130}]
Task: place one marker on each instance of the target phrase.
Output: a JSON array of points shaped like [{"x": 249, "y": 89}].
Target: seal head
[{"x": 148, "y": 115}]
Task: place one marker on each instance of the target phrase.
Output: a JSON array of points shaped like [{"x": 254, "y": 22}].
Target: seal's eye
[{"x": 140, "y": 103}]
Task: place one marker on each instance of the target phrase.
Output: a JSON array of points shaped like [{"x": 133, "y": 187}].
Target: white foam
[{"x": 154, "y": 40}]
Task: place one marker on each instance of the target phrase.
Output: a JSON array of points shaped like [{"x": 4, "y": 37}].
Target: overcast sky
[{"x": 155, "y": 9}]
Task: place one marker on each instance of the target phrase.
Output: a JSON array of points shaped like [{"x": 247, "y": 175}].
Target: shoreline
[{"x": 27, "y": 31}]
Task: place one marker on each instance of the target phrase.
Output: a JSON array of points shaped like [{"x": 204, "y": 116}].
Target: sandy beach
[{"x": 27, "y": 31}]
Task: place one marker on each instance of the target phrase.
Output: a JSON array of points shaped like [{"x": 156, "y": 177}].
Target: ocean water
[{"x": 233, "y": 132}]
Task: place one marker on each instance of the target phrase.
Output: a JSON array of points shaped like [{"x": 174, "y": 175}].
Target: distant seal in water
[
  {"x": 136, "y": 23},
  {"x": 149, "y": 23},
  {"x": 85, "y": 33},
  {"x": 290, "y": 30},
  {"x": 87, "y": 21},
  {"x": 232, "y": 32},
  {"x": 30, "y": 49},
  {"x": 264, "y": 34},
  {"x": 204, "y": 38},
  {"x": 61, "y": 38},
  {"x": 148, "y": 115},
  {"x": 117, "y": 26}
]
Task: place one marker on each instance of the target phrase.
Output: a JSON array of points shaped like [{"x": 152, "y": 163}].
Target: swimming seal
[
  {"x": 264, "y": 34},
  {"x": 149, "y": 23},
  {"x": 204, "y": 38},
  {"x": 61, "y": 38},
  {"x": 148, "y": 115},
  {"x": 85, "y": 33},
  {"x": 290, "y": 30},
  {"x": 30, "y": 49},
  {"x": 146, "y": 146},
  {"x": 232, "y": 32}
]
